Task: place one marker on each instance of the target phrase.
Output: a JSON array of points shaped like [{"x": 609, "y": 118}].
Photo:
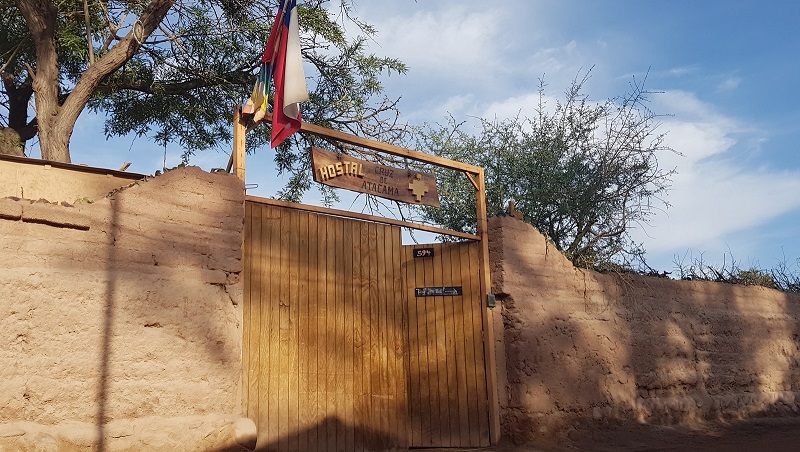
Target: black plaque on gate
[
  {"x": 452, "y": 291},
  {"x": 423, "y": 252}
]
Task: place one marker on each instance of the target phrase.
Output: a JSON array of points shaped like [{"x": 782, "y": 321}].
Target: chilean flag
[{"x": 282, "y": 63}]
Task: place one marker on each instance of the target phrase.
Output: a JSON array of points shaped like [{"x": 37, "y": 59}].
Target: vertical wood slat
[
  {"x": 382, "y": 390},
  {"x": 247, "y": 324},
  {"x": 257, "y": 311},
  {"x": 303, "y": 356},
  {"x": 480, "y": 363},
  {"x": 439, "y": 386},
  {"x": 413, "y": 351},
  {"x": 363, "y": 410},
  {"x": 442, "y": 360},
  {"x": 368, "y": 330},
  {"x": 292, "y": 394},
  {"x": 349, "y": 344},
  {"x": 402, "y": 404},
  {"x": 459, "y": 309},
  {"x": 330, "y": 340},
  {"x": 322, "y": 321},
  {"x": 259, "y": 349},
  {"x": 359, "y": 411},
  {"x": 425, "y": 406},
  {"x": 432, "y": 340},
  {"x": 373, "y": 370},
  {"x": 452, "y": 363},
  {"x": 271, "y": 334},
  {"x": 284, "y": 328},
  {"x": 471, "y": 342},
  {"x": 313, "y": 333},
  {"x": 400, "y": 373},
  {"x": 339, "y": 374},
  {"x": 260, "y": 311}
]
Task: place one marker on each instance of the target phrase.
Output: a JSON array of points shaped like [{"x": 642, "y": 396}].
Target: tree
[
  {"x": 173, "y": 70},
  {"x": 583, "y": 173}
]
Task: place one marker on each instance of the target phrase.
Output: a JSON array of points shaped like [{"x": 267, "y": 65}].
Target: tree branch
[
  {"x": 89, "y": 39},
  {"x": 153, "y": 14},
  {"x": 172, "y": 88}
]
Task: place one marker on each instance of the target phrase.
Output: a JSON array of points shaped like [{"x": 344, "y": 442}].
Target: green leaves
[
  {"x": 584, "y": 174},
  {"x": 182, "y": 82}
]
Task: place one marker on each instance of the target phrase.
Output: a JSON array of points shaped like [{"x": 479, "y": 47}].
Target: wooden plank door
[
  {"x": 323, "y": 325},
  {"x": 447, "y": 378}
]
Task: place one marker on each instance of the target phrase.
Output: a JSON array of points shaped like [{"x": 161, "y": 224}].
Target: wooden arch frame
[{"x": 475, "y": 174}]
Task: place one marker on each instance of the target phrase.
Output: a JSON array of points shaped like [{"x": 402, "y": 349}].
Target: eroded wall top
[{"x": 58, "y": 182}]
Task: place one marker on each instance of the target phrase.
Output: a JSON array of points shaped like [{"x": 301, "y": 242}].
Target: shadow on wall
[
  {"x": 588, "y": 350},
  {"x": 108, "y": 324},
  {"x": 132, "y": 315}
]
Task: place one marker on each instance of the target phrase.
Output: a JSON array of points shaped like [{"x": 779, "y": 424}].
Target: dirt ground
[{"x": 760, "y": 435}]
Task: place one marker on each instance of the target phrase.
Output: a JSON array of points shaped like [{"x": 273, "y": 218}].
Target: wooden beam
[
  {"x": 239, "y": 131},
  {"x": 391, "y": 149},
  {"x": 472, "y": 180},
  {"x": 488, "y": 313},
  {"x": 230, "y": 163},
  {"x": 361, "y": 216}
]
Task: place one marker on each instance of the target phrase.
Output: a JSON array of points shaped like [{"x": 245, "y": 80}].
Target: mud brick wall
[
  {"x": 39, "y": 179},
  {"x": 583, "y": 347},
  {"x": 120, "y": 320}
]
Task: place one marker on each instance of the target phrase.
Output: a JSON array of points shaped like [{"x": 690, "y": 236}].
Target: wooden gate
[
  {"x": 323, "y": 332},
  {"x": 447, "y": 377},
  {"x": 339, "y": 353}
]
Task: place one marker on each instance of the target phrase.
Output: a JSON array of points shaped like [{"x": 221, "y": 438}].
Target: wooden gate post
[
  {"x": 488, "y": 313},
  {"x": 239, "y": 131}
]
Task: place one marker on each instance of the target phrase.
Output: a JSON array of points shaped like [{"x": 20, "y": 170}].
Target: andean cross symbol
[{"x": 418, "y": 187}]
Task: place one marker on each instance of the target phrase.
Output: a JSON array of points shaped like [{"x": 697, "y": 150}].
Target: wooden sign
[
  {"x": 438, "y": 291},
  {"x": 399, "y": 184}
]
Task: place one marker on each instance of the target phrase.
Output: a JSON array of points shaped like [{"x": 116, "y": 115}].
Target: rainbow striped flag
[{"x": 282, "y": 64}]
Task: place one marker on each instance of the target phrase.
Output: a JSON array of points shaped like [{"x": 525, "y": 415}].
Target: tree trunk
[
  {"x": 41, "y": 15},
  {"x": 54, "y": 139},
  {"x": 56, "y": 122}
]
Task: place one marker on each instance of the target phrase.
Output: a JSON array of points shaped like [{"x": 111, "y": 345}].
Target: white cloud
[
  {"x": 681, "y": 71},
  {"x": 450, "y": 42},
  {"x": 558, "y": 62},
  {"x": 730, "y": 83},
  {"x": 695, "y": 141},
  {"x": 458, "y": 106},
  {"x": 523, "y": 105},
  {"x": 684, "y": 104},
  {"x": 713, "y": 194}
]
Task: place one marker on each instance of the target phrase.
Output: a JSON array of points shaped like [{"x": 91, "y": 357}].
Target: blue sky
[{"x": 726, "y": 71}]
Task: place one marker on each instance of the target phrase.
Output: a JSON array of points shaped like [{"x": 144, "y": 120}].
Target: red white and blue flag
[{"x": 282, "y": 64}]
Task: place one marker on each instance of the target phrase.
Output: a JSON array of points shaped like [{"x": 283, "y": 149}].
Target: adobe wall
[
  {"x": 120, "y": 320},
  {"x": 56, "y": 182},
  {"x": 584, "y": 348}
]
